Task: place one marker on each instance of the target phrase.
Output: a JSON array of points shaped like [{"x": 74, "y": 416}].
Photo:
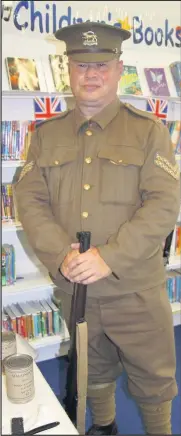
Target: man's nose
[{"x": 91, "y": 71}]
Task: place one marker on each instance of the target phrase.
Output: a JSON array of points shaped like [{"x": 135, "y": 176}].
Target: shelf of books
[{"x": 28, "y": 307}]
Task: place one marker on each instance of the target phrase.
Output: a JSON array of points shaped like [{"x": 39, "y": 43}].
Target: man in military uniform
[{"x": 108, "y": 168}]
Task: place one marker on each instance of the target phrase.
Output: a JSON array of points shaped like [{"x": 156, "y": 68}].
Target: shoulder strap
[{"x": 141, "y": 113}]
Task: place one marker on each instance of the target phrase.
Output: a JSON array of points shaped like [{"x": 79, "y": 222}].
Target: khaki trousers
[{"x": 132, "y": 332}]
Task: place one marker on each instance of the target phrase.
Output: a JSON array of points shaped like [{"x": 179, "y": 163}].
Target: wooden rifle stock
[{"x": 76, "y": 317}]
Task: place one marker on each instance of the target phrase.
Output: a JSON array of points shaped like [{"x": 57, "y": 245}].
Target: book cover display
[
  {"x": 27, "y": 74},
  {"x": 130, "y": 82},
  {"x": 175, "y": 69},
  {"x": 60, "y": 74},
  {"x": 157, "y": 82},
  {"x": 22, "y": 74}
]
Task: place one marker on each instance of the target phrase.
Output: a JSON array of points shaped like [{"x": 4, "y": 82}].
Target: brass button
[
  {"x": 85, "y": 214},
  {"x": 86, "y": 187},
  {"x": 88, "y": 133},
  {"x": 88, "y": 160},
  {"x": 56, "y": 162}
]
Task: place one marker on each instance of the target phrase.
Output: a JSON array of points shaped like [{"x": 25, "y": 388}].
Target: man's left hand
[{"x": 87, "y": 267}]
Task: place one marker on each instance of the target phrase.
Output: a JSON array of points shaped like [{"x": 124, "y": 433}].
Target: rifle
[
  {"x": 167, "y": 247},
  {"x": 75, "y": 399}
]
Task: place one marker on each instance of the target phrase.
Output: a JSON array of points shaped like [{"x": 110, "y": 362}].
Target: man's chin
[{"x": 90, "y": 96}]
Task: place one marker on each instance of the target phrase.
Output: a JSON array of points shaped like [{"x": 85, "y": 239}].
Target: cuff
[{"x": 108, "y": 255}]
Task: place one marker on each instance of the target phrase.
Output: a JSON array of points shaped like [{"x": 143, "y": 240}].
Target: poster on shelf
[
  {"x": 157, "y": 82},
  {"x": 22, "y": 74},
  {"x": 130, "y": 81},
  {"x": 59, "y": 69}
]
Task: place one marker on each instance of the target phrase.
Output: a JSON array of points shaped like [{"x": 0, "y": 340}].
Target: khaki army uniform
[{"x": 115, "y": 176}]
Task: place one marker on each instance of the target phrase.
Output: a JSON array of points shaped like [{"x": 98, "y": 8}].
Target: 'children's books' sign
[{"x": 158, "y": 29}]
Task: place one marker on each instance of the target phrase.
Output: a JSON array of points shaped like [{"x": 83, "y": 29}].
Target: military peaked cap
[{"x": 92, "y": 41}]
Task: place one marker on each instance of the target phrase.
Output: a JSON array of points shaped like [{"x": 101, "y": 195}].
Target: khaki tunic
[{"x": 115, "y": 176}]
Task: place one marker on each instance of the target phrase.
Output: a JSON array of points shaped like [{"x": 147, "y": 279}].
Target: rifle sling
[{"x": 82, "y": 374}]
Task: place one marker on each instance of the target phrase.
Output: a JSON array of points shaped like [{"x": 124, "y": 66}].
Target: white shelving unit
[
  {"x": 36, "y": 282},
  {"x": 176, "y": 310},
  {"x": 174, "y": 262},
  {"x": 28, "y": 289}
]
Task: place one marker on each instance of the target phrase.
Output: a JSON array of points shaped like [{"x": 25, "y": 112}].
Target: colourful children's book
[
  {"x": 175, "y": 68},
  {"x": 157, "y": 82},
  {"x": 22, "y": 74},
  {"x": 60, "y": 73},
  {"x": 129, "y": 82}
]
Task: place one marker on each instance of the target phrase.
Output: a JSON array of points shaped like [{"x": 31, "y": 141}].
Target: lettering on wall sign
[
  {"x": 6, "y": 10},
  {"x": 49, "y": 21}
]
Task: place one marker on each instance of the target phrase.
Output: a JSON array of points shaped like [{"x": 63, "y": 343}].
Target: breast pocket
[
  {"x": 58, "y": 168},
  {"x": 119, "y": 174}
]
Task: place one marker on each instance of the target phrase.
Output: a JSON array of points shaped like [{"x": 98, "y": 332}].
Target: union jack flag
[
  {"x": 45, "y": 108},
  {"x": 158, "y": 108}
]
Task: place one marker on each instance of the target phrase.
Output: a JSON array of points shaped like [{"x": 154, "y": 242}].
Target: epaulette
[
  {"x": 61, "y": 115},
  {"x": 143, "y": 114}
]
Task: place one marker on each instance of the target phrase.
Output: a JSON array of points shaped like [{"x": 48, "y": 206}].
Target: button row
[{"x": 88, "y": 160}]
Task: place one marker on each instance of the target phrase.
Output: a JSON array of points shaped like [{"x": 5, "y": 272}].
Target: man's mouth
[{"x": 91, "y": 87}]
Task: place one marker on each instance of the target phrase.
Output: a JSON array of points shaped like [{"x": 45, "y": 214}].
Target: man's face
[{"x": 94, "y": 83}]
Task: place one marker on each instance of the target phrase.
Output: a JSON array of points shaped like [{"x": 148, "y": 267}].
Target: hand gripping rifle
[{"x": 76, "y": 386}]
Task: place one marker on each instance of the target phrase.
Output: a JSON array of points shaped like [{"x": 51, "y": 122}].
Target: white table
[{"x": 43, "y": 409}]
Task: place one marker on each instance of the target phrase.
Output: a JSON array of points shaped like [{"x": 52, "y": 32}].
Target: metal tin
[
  {"x": 19, "y": 378},
  {"x": 8, "y": 344}
]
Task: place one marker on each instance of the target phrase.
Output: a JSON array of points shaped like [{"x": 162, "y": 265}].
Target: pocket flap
[
  {"x": 56, "y": 157},
  {"x": 122, "y": 155}
]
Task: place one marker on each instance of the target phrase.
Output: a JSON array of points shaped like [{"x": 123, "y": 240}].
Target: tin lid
[
  {"x": 18, "y": 361},
  {"x": 8, "y": 336}
]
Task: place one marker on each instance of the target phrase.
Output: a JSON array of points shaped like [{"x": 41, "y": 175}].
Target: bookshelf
[
  {"x": 27, "y": 289},
  {"x": 36, "y": 281}
]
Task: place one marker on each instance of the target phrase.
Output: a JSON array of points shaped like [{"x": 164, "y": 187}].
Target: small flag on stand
[{"x": 158, "y": 108}]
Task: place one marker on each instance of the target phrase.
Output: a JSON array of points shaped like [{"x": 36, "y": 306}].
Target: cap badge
[{"x": 89, "y": 38}]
